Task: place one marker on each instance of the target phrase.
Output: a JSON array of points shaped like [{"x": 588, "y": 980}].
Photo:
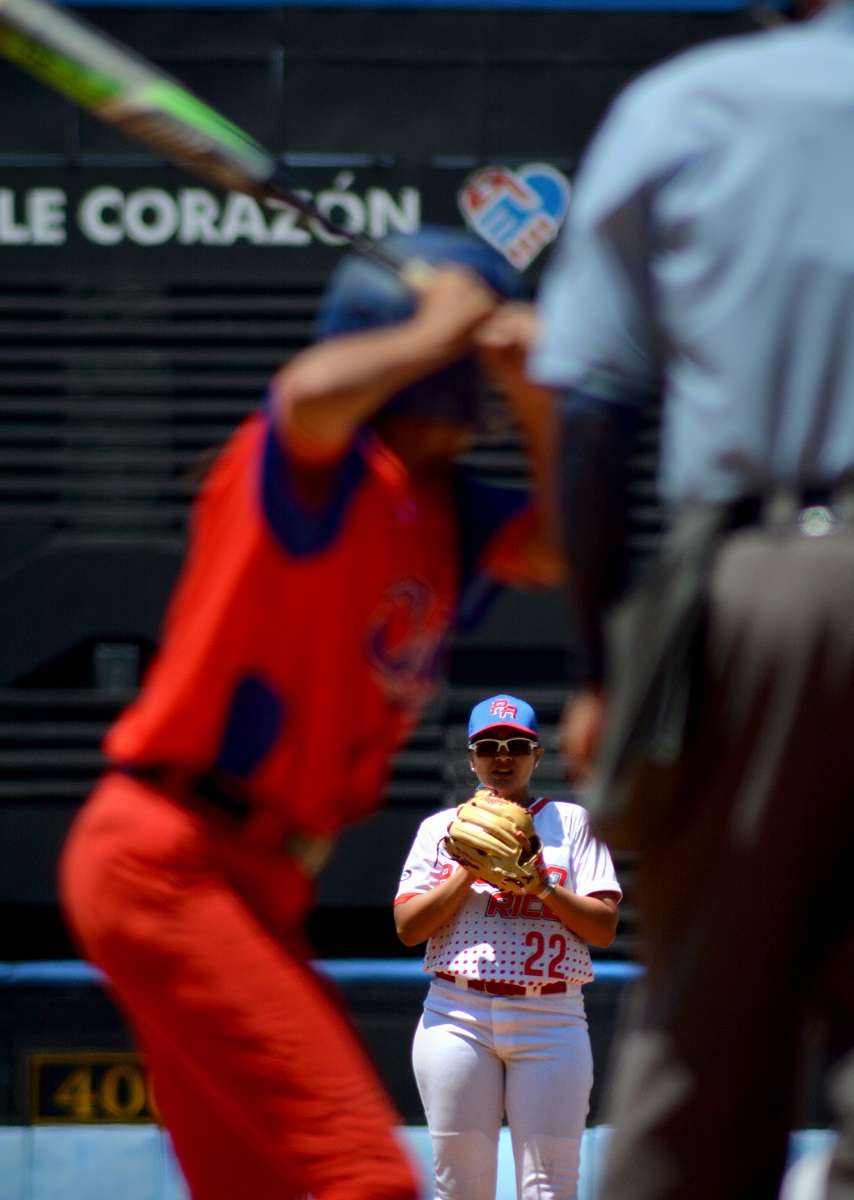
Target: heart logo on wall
[{"x": 518, "y": 212}]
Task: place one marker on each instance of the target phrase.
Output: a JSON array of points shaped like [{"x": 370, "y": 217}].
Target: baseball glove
[{"x": 496, "y": 838}]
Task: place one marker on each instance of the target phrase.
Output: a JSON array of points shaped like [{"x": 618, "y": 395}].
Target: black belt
[
  {"x": 788, "y": 506},
  {"x": 200, "y": 790},
  {"x": 208, "y": 793}
]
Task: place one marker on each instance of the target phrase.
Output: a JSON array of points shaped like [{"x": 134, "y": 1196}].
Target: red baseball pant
[{"x": 262, "y": 1084}]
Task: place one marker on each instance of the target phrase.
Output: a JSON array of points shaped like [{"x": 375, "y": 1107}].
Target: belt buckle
[
  {"x": 547, "y": 989},
  {"x": 308, "y": 852},
  {"x": 817, "y": 520}
]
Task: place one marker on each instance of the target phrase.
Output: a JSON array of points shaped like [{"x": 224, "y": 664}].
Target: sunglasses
[{"x": 517, "y": 747}]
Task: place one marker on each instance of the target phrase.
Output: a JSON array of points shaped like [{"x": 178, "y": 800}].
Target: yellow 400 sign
[{"x": 89, "y": 1087}]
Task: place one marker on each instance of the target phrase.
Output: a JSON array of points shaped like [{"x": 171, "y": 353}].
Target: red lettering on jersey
[
  {"x": 513, "y": 904},
  {"x": 557, "y": 950},
  {"x": 505, "y": 904}
]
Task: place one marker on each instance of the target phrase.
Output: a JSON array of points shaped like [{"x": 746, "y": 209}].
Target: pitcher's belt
[
  {"x": 209, "y": 794},
  {"x": 497, "y": 988}
]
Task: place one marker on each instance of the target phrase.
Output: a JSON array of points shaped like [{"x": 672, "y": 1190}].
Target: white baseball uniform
[{"x": 477, "y": 1055}]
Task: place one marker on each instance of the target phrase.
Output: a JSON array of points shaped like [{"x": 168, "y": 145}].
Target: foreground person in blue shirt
[{"x": 708, "y": 266}]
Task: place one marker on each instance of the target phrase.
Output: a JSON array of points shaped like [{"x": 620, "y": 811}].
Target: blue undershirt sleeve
[
  {"x": 484, "y": 508},
  {"x": 299, "y": 527}
]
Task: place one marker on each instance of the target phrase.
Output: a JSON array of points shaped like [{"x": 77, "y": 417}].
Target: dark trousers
[{"x": 745, "y": 895}]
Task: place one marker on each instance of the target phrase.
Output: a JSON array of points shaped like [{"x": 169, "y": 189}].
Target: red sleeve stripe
[
  {"x": 538, "y": 805},
  {"x": 404, "y": 896}
]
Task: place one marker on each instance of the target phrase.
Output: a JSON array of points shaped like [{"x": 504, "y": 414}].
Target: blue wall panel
[
  {"x": 136, "y": 1163},
  {"x": 446, "y": 5}
]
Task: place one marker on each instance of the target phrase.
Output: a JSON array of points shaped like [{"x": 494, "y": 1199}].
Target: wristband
[{"x": 546, "y": 890}]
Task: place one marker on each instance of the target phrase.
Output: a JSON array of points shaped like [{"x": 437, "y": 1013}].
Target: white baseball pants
[{"x": 477, "y": 1057}]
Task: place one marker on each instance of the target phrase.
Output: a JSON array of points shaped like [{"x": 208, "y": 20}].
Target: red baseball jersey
[{"x": 302, "y": 640}]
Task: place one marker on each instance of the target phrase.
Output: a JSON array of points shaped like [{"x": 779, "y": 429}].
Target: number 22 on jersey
[{"x": 555, "y": 947}]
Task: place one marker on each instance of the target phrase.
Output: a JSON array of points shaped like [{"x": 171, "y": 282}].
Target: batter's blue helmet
[{"x": 363, "y": 295}]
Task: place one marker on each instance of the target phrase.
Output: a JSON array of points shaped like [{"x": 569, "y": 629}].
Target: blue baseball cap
[
  {"x": 503, "y": 712},
  {"x": 362, "y": 295}
]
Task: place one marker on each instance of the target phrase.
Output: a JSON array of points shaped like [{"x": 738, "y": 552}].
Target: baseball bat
[{"x": 121, "y": 88}]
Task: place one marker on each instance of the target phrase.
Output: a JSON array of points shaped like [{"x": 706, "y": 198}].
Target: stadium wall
[{"x": 141, "y": 314}]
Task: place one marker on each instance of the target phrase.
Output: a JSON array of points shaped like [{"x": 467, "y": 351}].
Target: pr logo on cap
[{"x": 504, "y": 711}]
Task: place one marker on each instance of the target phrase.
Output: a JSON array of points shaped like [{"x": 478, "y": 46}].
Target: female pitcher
[{"x": 503, "y": 1028}]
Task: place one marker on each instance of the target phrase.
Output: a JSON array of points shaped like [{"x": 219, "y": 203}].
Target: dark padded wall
[{"x": 140, "y": 316}]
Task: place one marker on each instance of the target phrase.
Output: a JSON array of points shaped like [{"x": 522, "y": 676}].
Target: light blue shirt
[{"x": 709, "y": 258}]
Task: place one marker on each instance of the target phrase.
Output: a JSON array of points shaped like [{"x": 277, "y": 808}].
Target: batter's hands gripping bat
[{"x": 147, "y": 104}]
